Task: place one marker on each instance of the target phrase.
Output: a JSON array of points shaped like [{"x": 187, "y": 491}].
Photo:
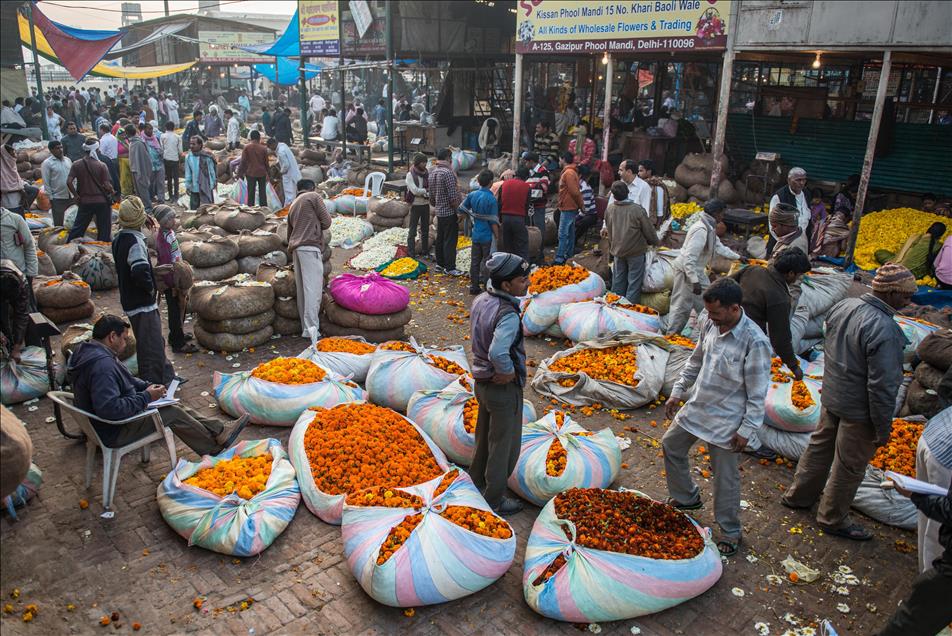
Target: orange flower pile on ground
[
  {"x": 545, "y": 279},
  {"x": 470, "y": 413},
  {"x": 344, "y": 345},
  {"x": 681, "y": 341},
  {"x": 397, "y": 345},
  {"x": 289, "y": 371},
  {"x": 899, "y": 453},
  {"x": 246, "y": 476},
  {"x": 800, "y": 395},
  {"x": 445, "y": 364},
  {"x": 611, "y": 364},
  {"x": 355, "y": 446},
  {"x": 624, "y": 522},
  {"x": 357, "y": 192},
  {"x": 398, "y": 536}
]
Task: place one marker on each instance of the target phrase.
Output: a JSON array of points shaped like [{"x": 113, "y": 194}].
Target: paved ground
[{"x": 78, "y": 567}]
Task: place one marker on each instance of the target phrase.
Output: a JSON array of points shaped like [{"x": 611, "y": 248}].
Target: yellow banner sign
[
  {"x": 570, "y": 27},
  {"x": 320, "y": 27}
]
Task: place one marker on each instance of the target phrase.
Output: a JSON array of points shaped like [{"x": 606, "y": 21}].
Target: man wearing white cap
[{"x": 793, "y": 195}]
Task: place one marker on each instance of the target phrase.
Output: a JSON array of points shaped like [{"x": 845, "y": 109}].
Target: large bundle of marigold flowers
[
  {"x": 289, "y": 371},
  {"x": 899, "y": 453},
  {"x": 344, "y": 345},
  {"x": 544, "y": 279},
  {"x": 355, "y": 446},
  {"x": 246, "y": 476},
  {"x": 557, "y": 458},
  {"x": 799, "y": 394},
  {"x": 612, "y": 364},
  {"x": 444, "y": 364}
]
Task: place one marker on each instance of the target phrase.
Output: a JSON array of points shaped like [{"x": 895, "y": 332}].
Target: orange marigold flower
[
  {"x": 289, "y": 371},
  {"x": 625, "y": 522},
  {"x": 899, "y": 453},
  {"x": 445, "y": 364},
  {"x": 612, "y": 364},
  {"x": 246, "y": 476},
  {"x": 344, "y": 345},
  {"x": 104, "y": 620},
  {"x": 544, "y": 279},
  {"x": 680, "y": 341},
  {"x": 470, "y": 414},
  {"x": 355, "y": 446},
  {"x": 397, "y": 345},
  {"x": 800, "y": 395}
]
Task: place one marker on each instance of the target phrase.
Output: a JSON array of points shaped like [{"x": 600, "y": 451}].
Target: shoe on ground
[
  {"x": 227, "y": 437},
  {"x": 188, "y": 347},
  {"x": 189, "y": 336},
  {"x": 455, "y": 272},
  {"x": 508, "y": 506}
]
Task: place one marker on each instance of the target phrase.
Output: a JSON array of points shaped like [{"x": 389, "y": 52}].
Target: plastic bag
[
  {"x": 327, "y": 507},
  {"x": 780, "y": 412},
  {"x": 915, "y": 332},
  {"x": 440, "y": 561},
  {"x": 231, "y": 525},
  {"x": 591, "y": 460},
  {"x": 821, "y": 289},
  {"x": 659, "y": 271},
  {"x": 462, "y": 159},
  {"x": 439, "y": 413},
  {"x": 593, "y": 319},
  {"x": 678, "y": 356},
  {"x": 598, "y": 585},
  {"x": 369, "y": 294},
  {"x": 394, "y": 376},
  {"x": 279, "y": 404},
  {"x": 25, "y": 491},
  {"x": 542, "y": 310},
  {"x": 24, "y": 380},
  {"x": 348, "y": 232},
  {"x": 784, "y": 443},
  {"x": 346, "y": 365},
  {"x": 652, "y": 355},
  {"x": 240, "y": 193}
]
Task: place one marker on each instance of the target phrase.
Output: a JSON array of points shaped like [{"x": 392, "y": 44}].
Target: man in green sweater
[{"x": 629, "y": 232}]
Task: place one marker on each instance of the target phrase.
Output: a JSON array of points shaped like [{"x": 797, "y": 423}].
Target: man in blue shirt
[
  {"x": 481, "y": 205},
  {"x": 380, "y": 116}
]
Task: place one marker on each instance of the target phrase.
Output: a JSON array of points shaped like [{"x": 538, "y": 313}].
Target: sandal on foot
[
  {"x": 727, "y": 547},
  {"x": 188, "y": 347},
  {"x": 853, "y": 531},
  {"x": 671, "y": 501},
  {"x": 787, "y": 504},
  {"x": 761, "y": 453}
]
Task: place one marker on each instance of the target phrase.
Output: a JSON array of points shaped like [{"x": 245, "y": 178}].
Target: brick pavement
[{"x": 134, "y": 564}]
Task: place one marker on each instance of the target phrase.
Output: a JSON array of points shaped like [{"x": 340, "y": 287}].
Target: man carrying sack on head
[{"x": 499, "y": 368}]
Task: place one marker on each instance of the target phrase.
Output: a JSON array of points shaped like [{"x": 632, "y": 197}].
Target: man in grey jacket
[{"x": 861, "y": 378}]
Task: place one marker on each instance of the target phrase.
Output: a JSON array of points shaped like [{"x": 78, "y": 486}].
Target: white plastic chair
[
  {"x": 374, "y": 183},
  {"x": 111, "y": 457}
]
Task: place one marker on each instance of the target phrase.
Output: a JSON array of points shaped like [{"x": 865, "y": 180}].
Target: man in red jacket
[{"x": 514, "y": 203}]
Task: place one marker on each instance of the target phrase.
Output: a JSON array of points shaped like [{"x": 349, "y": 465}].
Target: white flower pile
[
  {"x": 349, "y": 231},
  {"x": 393, "y": 236},
  {"x": 373, "y": 257},
  {"x": 463, "y": 258}
]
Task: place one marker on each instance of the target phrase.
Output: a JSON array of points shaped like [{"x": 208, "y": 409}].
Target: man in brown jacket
[
  {"x": 254, "y": 168},
  {"x": 629, "y": 232},
  {"x": 570, "y": 202},
  {"x": 307, "y": 221}
]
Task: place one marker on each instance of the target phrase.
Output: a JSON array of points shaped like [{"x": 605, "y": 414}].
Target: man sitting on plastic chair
[{"x": 102, "y": 385}]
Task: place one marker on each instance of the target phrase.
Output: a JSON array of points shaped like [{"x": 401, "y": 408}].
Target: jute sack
[
  {"x": 68, "y": 291},
  {"x": 216, "y": 273},
  {"x": 249, "y": 264},
  {"x": 236, "y": 218},
  {"x": 59, "y": 315},
  {"x": 64, "y": 257},
  {"x": 98, "y": 269},
  {"x": 232, "y": 342},
  {"x": 83, "y": 332},
  {"x": 238, "y": 326},
  {"x": 388, "y": 208},
  {"x": 936, "y": 349},
  {"x": 257, "y": 243},
  {"x": 235, "y": 298},
  {"x": 16, "y": 451},
  {"x": 384, "y": 222},
  {"x": 280, "y": 277},
  {"x": 286, "y": 308},
  {"x": 287, "y": 326},
  {"x": 928, "y": 376},
  {"x": 210, "y": 253},
  {"x": 346, "y": 318},
  {"x": 328, "y": 328},
  {"x": 45, "y": 265}
]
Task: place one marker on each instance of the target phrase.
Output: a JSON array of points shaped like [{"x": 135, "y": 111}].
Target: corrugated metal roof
[{"x": 921, "y": 159}]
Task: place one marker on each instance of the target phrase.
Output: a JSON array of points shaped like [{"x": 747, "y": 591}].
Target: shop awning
[
  {"x": 288, "y": 72},
  {"x": 288, "y": 45},
  {"x": 102, "y": 69},
  {"x": 80, "y": 49},
  {"x": 163, "y": 31}
]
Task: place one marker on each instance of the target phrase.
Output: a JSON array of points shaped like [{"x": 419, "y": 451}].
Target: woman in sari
[{"x": 831, "y": 236}]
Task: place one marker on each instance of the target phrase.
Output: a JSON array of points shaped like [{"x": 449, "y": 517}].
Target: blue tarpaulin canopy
[
  {"x": 288, "y": 45},
  {"x": 288, "y": 72}
]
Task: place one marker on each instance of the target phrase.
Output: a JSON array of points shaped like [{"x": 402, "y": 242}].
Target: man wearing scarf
[
  {"x": 793, "y": 195},
  {"x": 141, "y": 166},
  {"x": 89, "y": 183},
  {"x": 785, "y": 229},
  {"x": 154, "y": 146},
  {"x": 701, "y": 244},
  {"x": 418, "y": 184},
  {"x": 200, "y": 174}
]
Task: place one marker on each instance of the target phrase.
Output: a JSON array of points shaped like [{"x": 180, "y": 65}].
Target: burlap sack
[
  {"x": 281, "y": 279},
  {"x": 388, "y": 208},
  {"x": 217, "y": 273},
  {"x": 250, "y": 264},
  {"x": 236, "y": 218},
  {"x": 257, "y": 243},
  {"x": 381, "y": 223},
  {"x": 936, "y": 349},
  {"x": 928, "y": 376},
  {"x": 328, "y": 328},
  {"x": 351, "y": 319},
  {"x": 232, "y": 342},
  {"x": 16, "y": 451},
  {"x": 286, "y": 308},
  {"x": 210, "y": 253},
  {"x": 63, "y": 294},
  {"x": 232, "y": 299},
  {"x": 59, "y": 315},
  {"x": 287, "y": 326}
]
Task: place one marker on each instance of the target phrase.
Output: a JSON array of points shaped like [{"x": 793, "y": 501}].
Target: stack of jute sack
[
  {"x": 923, "y": 396},
  {"x": 386, "y": 212},
  {"x": 233, "y": 314},
  {"x": 369, "y": 306},
  {"x": 91, "y": 260},
  {"x": 287, "y": 320},
  {"x": 63, "y": 298}
]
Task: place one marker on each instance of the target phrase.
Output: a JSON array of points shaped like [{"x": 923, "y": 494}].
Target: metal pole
[
  {"x": 870, "y": 152},
  {"x": 36, "y": 72},
  {"x": 935, "y": 93},
  {"x": 340, "y": 71},
  {"x": 166, "y": 8},
  {"x": 606, "y": 124},
  {"x": 389, "y": 88},
  {"x": 723, "y": 97},
  {"x": 517, "y": 112}
]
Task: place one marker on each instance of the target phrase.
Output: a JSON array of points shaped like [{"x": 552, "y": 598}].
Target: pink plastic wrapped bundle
[{"x": 369, "y": 294}]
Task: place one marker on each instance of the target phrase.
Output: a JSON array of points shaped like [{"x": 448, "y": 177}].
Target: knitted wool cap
[
  {"x": 893, "y": 277},
  {"x": 131, "y": 213},
  {"x": 504, "y": 266}
]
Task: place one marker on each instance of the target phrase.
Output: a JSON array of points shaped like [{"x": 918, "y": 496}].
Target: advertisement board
[
  {"x": 574, "y": 28},
  {"x": 222, "y": 46},
  {"x": 320, "y": 27}
]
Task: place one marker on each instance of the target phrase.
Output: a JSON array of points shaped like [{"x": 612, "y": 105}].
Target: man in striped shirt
[
  {"x": 719, "y": 399},
  {"x": 546, "y": 145},
  {"x": 446, "y": 198}
]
